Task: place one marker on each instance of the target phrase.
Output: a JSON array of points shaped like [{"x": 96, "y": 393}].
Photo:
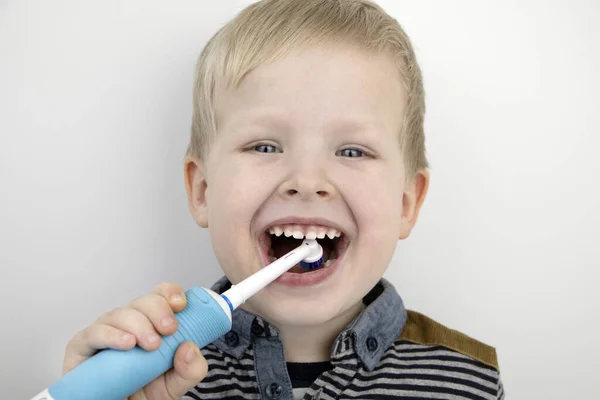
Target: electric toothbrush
[{"x": 117, "y": 374}]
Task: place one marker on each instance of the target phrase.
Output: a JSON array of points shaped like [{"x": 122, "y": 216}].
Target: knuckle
[
  {"x": 152, "y": 305},
  {"x": 122, "y": 318},
  {"x": 105, "y": 316},
  {"x": 157, "y": 311},
  {"x": 165, "y": 289},
  {"x": 84, "y": 335},
  {"x": 135, "y": 302},
  {"x": 69, "y": 348},
  {"x": 93, "y": 334},
  {"x": 110, "y": 315}
]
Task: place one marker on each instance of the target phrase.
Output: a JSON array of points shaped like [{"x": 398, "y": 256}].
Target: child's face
[{"x": 312, "y": 136}]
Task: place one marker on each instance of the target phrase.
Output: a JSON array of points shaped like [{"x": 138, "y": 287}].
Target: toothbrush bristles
[{"x": 307, "y": 266}]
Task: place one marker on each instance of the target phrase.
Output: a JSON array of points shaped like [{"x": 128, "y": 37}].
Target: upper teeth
[{"x": 305, "y": 231}]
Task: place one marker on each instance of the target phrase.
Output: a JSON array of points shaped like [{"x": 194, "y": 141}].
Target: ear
[
  {"x": 196, "y": 187},
  {"x": 412, "y": 200}
]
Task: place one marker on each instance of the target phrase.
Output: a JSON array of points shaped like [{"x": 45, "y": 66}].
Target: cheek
[
  {"x": 225, "y": 209},
  {"x": 232, "y": 195},
  {"x": 376, "y": 203}
]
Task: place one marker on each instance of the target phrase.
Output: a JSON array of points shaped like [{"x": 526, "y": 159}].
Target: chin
[{"x": 284, "y": 309}]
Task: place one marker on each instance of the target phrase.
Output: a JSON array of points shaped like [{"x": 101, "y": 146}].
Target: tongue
[
  {"x": 297, "y": 269},
  {"x": 283, "y": 247}
]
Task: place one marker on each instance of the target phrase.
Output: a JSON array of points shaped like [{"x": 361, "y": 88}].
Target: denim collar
[{"x": 373, "y": 331}]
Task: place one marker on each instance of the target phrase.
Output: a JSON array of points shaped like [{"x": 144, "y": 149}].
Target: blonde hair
[{"x": 270, "y": 29}]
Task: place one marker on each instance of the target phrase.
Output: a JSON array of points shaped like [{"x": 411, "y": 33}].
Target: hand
[{"x": 140, "y": 322}]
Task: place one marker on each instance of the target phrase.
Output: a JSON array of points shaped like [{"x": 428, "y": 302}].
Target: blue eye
[
  {"x": 351, "y": 153},
  {"x": 266, "y": 148}
]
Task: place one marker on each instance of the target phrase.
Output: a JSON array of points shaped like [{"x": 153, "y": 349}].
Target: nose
[{"x": 307, "y": 184}]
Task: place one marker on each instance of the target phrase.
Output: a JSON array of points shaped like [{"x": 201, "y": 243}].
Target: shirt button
[
  {"x": 256, "y": 329},
  {"x": 274, "y": 391},
  {"x": 232, "y": 339},
  {"x": 372, "y": 343}
]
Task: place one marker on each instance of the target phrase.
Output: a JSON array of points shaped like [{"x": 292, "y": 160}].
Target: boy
[{"x": 308, "y": 122}]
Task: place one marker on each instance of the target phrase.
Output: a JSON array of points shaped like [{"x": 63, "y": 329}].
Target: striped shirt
[{"x": 386, "y": 352}]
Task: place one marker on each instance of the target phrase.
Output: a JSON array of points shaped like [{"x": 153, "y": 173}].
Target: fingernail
[
  {"x": 176, "y": 298},
  {"x": 153, "y": 338},
  {"x": 167, "y": 321},
  {"x": 191, "y": 355}
]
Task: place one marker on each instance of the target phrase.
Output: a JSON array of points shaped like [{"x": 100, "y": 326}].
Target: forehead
[{"x": 317, "y": 87}]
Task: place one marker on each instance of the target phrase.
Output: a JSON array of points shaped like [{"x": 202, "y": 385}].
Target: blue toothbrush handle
[{"x": 115, "y": 374}]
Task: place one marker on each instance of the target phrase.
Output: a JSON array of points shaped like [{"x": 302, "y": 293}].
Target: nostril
[{"x": 295, "y": 192}]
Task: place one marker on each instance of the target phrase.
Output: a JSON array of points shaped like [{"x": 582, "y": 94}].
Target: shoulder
[
  {"x": 422, "y": 330},
  {"x": 431, "y": 360}
]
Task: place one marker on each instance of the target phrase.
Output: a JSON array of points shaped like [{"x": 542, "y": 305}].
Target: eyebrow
[
  {"x": 280, "y": 122},
  {"x": 246, "y": 121},
  {"x": 352, "y": 125}
]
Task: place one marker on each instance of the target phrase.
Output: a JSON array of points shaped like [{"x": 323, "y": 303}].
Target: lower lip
[{"x": 307, "y": 278}]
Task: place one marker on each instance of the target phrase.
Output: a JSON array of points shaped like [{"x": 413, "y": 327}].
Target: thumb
[{"x": 189, "y": 368}]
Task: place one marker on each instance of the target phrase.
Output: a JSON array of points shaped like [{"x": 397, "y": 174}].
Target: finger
[
  {"x": 136, "y": 323},
  {"x": 95, "y": 337},
  {"x": 189, "y": 368},
  {"x": 157, "y": 309},
  {"x": 173, "y": 293}
]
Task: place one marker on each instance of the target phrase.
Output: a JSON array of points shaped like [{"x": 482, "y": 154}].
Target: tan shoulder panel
[{"x": 421, "y": 329}]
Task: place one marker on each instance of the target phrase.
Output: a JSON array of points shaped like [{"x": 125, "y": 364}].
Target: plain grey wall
[{"x": 95, "y": 105}]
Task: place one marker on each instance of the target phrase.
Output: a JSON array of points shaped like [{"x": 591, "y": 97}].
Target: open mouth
[{"x": 279, "y": 240}]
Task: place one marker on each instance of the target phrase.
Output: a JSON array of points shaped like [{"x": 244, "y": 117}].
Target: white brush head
[
  {"x": 316, "y": 251},
  {"x": 309, "y": 254}
]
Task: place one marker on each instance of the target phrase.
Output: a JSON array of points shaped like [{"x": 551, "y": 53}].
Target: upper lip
[{"x": 303, "y": 221}]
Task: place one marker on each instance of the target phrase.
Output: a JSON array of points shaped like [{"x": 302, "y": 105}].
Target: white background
[{"x": 95, "y": 106}]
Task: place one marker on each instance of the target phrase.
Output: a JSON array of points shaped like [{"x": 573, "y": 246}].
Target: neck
[{"x": 313, "y": 343}]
